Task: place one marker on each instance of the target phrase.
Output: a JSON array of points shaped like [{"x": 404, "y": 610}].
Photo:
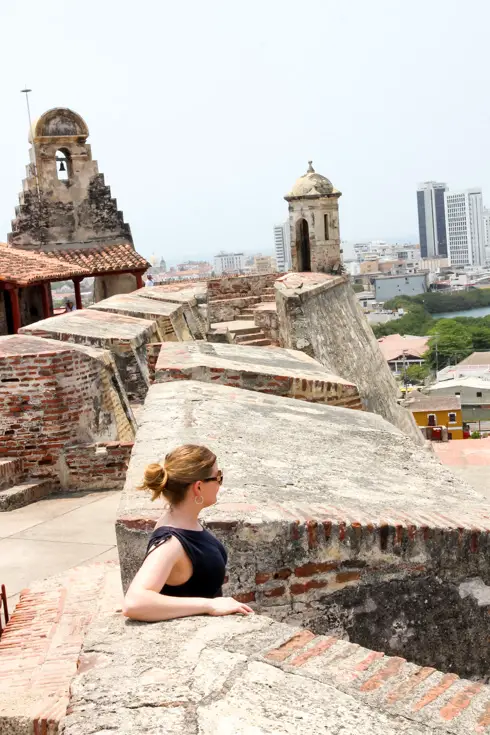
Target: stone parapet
[
  {"x": 321, "y": 315},
  {"x": 88, "y": 670},
  {"x": 189, "y": 295},
  {"x": 264, "y": 369},
  {"x": 40, "y": 647},
  {"x": 169, "y": 316},
  {"x": 125, "y": 336},
  {"x": 340, "y": 538}
]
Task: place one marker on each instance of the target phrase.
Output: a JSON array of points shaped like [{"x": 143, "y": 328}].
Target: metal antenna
[{"x": 31, "y": 132}]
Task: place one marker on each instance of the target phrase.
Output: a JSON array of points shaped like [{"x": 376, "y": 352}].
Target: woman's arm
[{"x": 144, "y": 602}]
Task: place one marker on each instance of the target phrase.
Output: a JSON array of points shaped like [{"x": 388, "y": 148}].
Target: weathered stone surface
[
  {"x": 321, "y": 315},
  {"x": 252, "y": 675},
  {"x": 190, "y": 295},
  {"x": 125, "y": 336},
  {"x": 264, "y": 369},
  {"x": 168, "y": 316}
]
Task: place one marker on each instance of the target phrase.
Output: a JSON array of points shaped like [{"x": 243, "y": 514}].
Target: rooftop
[
  {"x": 477, "y": 358},
  {"x": 101, "y": 258},
  {"x": 421, "y": 402},
  {"x": 468, "y": 381},
  {"x": 394, "y": 345},
  {"x": 25, "y": 267}
]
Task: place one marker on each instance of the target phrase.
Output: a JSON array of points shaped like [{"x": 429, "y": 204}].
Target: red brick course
[
  {"x": 101, "y": 465},
  {"x": 40, "y": 647}
]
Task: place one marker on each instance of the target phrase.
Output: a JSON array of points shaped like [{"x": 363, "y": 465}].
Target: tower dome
[{"x": 311, "y": 185}]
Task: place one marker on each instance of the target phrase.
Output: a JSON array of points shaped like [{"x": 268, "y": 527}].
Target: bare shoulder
[
  {"x": 158, "y": 564},
  {"x": 168, "y": 548}
]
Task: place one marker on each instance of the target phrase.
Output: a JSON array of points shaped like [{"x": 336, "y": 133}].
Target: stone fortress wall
[
  {"x": 365, "y": 557},
  {"x": 321, "y": 315}
]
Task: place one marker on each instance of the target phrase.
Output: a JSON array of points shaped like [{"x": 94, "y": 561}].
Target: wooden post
[
  {"x": 46, "y": 299},
  {"x": 139, "y": 279},
  {"x": 14, "y": 301},
  {"x": 78, "y": 295}
]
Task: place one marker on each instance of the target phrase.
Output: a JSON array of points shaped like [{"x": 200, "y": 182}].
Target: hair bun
[{"x": 164, "y": 479}]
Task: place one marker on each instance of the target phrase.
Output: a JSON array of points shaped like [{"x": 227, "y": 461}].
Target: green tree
[
  {"x": 416, "y": 373},
  {"x": 450, "y": 342}
]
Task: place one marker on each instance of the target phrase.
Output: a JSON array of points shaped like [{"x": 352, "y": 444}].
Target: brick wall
[
  {"x": 95, "y": 466},
  {"x": 51, "y": 399},
  {"x": 229, "y": 295},
  {"x": 233, "y": 286},
  {"x": 407, "y": 589}
]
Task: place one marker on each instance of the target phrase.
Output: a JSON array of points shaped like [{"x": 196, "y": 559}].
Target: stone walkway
[{"x": 56, "y": 534}]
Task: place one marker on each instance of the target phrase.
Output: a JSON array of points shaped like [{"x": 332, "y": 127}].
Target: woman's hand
[{"x": 228, "y": 606}]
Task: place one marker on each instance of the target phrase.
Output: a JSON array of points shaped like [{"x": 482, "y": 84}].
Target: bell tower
[
  {"x": 65, "y": 201},
  {"x": 314, "y": 223}
]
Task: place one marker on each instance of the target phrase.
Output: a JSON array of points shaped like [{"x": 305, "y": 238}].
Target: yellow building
[{"x": 433, "y": 414}]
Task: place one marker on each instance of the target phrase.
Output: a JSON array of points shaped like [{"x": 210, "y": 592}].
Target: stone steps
[
  {"x": 246, "y": 335},
  {"x": 24, "y": 493},
  {"x": 258, "y": 342},
  {"x": 246, "y": 314},
  {"x": 11, "y": 470}
]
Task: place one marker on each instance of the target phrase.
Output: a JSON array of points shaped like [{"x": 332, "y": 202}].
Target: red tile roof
[
  {"x": 24, "y": 267},
  {"x": 102, "y": 258},
  {"x": 420, "y": 402},
  {"x": 394, "y": 345}
]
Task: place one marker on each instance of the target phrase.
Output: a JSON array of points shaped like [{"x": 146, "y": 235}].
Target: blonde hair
[{"x": 183, "y": 466}]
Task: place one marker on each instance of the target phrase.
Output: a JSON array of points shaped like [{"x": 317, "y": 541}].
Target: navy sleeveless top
[{"x": 208, "y": 557}]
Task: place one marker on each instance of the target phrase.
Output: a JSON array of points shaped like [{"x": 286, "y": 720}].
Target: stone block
[
  {"x": 125, "y": 336},
  {"x": 169, "y": 316},
  {"x": 189, "y": 295},
  {"x": 264, "y": 369}
]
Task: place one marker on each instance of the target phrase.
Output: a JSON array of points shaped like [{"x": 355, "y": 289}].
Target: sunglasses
[{"x": 218, "y": 478}]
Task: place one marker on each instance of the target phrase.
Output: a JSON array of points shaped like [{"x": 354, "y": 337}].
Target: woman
[{"x": 184, "y": 566}]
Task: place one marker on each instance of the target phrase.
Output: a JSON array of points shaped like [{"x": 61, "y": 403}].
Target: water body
[{"x": 482, "y": 311}]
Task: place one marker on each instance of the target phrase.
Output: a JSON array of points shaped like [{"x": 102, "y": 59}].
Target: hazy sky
[{"x": 203, "y": 113}]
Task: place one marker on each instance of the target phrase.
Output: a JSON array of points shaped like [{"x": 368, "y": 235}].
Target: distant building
[
  {"x": 264, "y": 264},
  {"x": 432, "y": 219},
  {"x": 486, "y": 226},
  {"x": 401, "y": 352},
  {"x": 282, "y": 246},
  {"x": 435, "y": 414},
  {"x": 229, "y": 263},
  {"x": 410, "y": 284},
  {"x": 472, "y": 390},
  {"x": 465, "y": 228}
]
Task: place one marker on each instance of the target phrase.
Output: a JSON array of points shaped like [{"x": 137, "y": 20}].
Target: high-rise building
[
  {"x": 465, "y": 230},
  {"x": 282, "y": 245},
  {"x": 486, "y": 226},
  {"x": 229, "y": 263},
  {"x": 432, "y": 220}
]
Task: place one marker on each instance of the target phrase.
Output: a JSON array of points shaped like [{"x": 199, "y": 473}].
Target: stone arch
[{"x": 303, "y": 245}]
